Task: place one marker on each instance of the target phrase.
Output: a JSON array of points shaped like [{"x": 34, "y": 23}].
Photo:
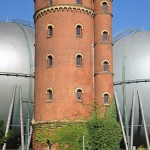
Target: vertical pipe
[
  {"x": 21, "y": 121},
  {"x": 121, "y": 122},
  {"x": 83, "y": 143},
  {"x": 29, "y": 137},
  {"x": 132, "y": 120},
  {"x": 10, "y": 115},
  {"x": 143, "y": 118},
  {"x": 92, "y": 45},
  {"x": 27, "y": 132}
]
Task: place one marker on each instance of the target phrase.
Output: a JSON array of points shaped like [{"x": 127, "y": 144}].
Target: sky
[{"x": 126, "y": 13}]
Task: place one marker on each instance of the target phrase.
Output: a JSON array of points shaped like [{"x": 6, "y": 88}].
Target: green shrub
[
  {"x": 4, "y": 139},
  {"x": 104, "y": 133}
]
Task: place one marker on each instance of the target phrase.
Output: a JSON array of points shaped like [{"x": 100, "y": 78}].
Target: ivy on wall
[
  {"x": 101, "y": 133},
  {"x": 65, "y": 134}
]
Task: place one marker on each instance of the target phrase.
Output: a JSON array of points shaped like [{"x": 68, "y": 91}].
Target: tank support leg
[
  {"x": 21, "y": 121},
  {"x": 29, "y": 137},
  {"x": 121, "y": 122},
  {"x": 132, "y": 121},
  {"x": 143, "y": 118},
  {"x": 10, "y": 115}
]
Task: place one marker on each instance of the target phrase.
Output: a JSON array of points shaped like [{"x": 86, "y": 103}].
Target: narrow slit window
[
  {"x": 50, "y": 61},
  {"x": 79, "y": 60},
  {"x": 104, "y": 7},
  {"x": 79, "y": 94},
  {"x": 106, "y": 98},
  {"x": 50, "y": 94},
  {"x": 106, "y": 66}
]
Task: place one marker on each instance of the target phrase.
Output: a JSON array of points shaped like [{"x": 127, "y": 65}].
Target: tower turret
[{"x": 103, "y": 51}]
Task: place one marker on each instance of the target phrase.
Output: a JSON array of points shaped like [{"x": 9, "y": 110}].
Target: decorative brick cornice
[
  {"x": 63, "y": 7},
  {"x": 110, "y": 43},
  {"x": 103, "y": 73},
  {"x": 60, "y": 122},
  {"x": 103, "y": 13}
]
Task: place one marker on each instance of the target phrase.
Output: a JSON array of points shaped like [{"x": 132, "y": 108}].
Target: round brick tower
[
  {"x": 64, "y": 61},
  {"x": 103, "y": 73},
  {"x": 73, "y": 58}
]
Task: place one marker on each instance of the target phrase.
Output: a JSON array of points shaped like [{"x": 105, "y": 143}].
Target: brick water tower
[{"x": 73, "y": 58}]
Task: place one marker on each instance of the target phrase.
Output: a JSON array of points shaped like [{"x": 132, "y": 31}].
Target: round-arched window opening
[
  {"x": 78, "y": 30},
  {"x": 79, "y": 94},
  {"x": 104, "y": 7},
  {"x": 106, "y": 66},
  {"x": 78, "y": 60},
  {"x": 50, "y": 61},
  {"x": 106, "y": 98},
  {"x": 105, "y": 36},
  {"x": 49, "y": 94}
]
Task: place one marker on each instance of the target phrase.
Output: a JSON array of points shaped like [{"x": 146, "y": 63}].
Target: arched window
[
  {"x": 79, "y": 94},
  {"x": 50, "y": 2},
  {"x": 78, "y": 30},
  {"x": 105, "y": 36},
  {"x": 104, "y": 7},
  {"x": 78, "y": 60},
  {"x": 50, "y": 31},
  {"x": 106, "y": 65},
  {"x": 49, "y": 94},
  {"x": 78, "y": 1},
  {"x": 50, "y": 60},
  {"x": 106, "y": 98}
]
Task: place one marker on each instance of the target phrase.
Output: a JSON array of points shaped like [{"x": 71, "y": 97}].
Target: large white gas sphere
[
  {"x": 16, "y": 68},
  {"x": 131, "y": 56}
]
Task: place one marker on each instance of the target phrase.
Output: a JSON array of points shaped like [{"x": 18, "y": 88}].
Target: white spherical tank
[
  {"x": 16, "y": 68},
  {"x": 131, "y": 61}
]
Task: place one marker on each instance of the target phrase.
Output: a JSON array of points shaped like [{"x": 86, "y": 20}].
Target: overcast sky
[{"x": 126, "y": 13}]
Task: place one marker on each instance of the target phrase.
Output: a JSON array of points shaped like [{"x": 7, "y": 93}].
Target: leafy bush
[
  {"x": 4, "y": 139},
  {"x": 104, "y": 133}
]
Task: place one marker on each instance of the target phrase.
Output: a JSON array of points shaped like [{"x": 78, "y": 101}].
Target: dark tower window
[
  {"x": 79, "y": 94},
  {"x": 104, "y": 7},
  {"x": 50, "y": 61},
  {"x": 78, "y": 1},
  {"x": 50, "y": 94},
  {"x": 105, "y": 36},
  {"x": 106, "y": 98},
  {"x": 51, "y": 2},
  {"x": 78, "y": 60},
  {"x": 106, "y": 66},
  {"x": 78, "y": 30},
  {"x": 50, "y": 31}
]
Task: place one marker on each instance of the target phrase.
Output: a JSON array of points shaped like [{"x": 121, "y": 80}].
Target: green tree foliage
[
  {"x": 104, "y": 133},
  {"x": 4, "y": 139}
]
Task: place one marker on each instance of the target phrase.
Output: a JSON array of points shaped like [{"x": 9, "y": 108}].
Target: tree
[{"x": 104, "y": 133}]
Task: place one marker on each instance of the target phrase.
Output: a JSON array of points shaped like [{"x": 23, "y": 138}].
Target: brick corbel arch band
[{"x": 66, "y": 7}]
